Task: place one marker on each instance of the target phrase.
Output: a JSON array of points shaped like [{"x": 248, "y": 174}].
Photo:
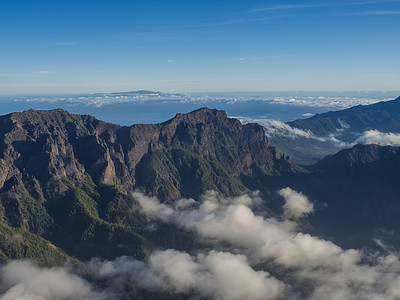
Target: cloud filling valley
[{"x": 249, "y": 253}]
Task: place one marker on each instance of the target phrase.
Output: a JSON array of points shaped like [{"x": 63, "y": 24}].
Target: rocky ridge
[{"x": 67, "y": 177}]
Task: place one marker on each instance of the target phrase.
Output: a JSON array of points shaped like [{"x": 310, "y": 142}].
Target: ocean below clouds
[{"x": 143, "y": 107}]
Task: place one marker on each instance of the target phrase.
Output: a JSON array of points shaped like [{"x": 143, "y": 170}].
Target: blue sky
[{"x": 198, "y": 46}]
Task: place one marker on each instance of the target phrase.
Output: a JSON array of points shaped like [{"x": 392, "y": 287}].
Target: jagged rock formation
[
  {"x": 67, "y": 177},
  {"x": 65, "y": 182},
  {"x": 50, "y": 145}
]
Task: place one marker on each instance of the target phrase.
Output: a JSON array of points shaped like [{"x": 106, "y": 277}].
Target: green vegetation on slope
[
  {"x": 67, "y": 178},
  {"x": 181, "y": 173},
  {"x": 16, "y": 243}
]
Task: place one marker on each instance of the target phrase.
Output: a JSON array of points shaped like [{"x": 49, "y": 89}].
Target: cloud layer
[
  {"x": 103, "y": 99},
  {"x": 278, "y": 128},
  {"x": 296, "y": 204},
  {"x": 379, "y": 138},
  {"x": 219, "y": 275},
  {"x": 25, "y": 281},
  {"x": 309, "y": 267},
  {"x": 248, "y": 254}
]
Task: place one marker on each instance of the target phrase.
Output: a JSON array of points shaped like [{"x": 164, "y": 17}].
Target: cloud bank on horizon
[{"x": 143, "y": 97}]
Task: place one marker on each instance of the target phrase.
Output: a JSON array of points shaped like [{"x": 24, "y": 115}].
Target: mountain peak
[
  {"x": 201, "y": 115},
  {"x": 207, "y": 110},
  {"x": 38, "y": 116},
  {"x": 358, "y": 155},
  {"x": 56, "y": 143}
]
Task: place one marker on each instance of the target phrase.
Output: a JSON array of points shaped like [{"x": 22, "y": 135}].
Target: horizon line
[{"x": 200, "y": 92}]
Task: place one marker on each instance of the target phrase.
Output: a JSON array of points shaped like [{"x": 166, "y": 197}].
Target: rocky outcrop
[
  {"x": 56, "y": 146},
  {"x": 67, "y": 177}
]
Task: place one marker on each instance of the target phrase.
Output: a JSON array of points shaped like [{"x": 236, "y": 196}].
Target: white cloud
[
  {"x": 253, "y": 246},
  {"x": 296, "y": 204},
  {"x": 278, "y": 128},
  {"x": 154, "y": 208},
  {"x": 171, "y": 61},
  {"x": 379, "y": 138},
  {"x": 219, "y": 275},
  {"x": 234, "y": 221},
  {"x": 99, "y": 100},
  {"x": 315, "y": 267},
  {"x": 274, "y": 127},
  {"x": 184, "y": 203},
  {"x": 233, "y": 278},
  {"x": 25, "y": 281},
  {"x": 343, "y": 124},
  {"x": 321, "y": 101}
]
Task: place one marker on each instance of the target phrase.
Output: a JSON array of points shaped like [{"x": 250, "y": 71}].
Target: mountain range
[
  {"x": 67, "y": 178},
  {"x": 66, "y": 182},
  {"x": 327, "y": 133}
]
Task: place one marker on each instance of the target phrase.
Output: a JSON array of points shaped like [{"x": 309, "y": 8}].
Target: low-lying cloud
[
  {"x": 379, "y": 138},
  {"x": 248, "y": 254},
  {"x": 296, "y": 204},
  {"x": 216, "y": 275},
  {"x": 105, "y": 99},
  {"x": 310, "y": 267},
  {"x": 260, "y": 238},
  {"x": 274, "y": 128},
  {"x": 25, "y": 281},
  {"x": 278, "y": 128}
]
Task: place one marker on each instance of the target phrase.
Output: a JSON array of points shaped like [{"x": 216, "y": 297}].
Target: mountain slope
[
  {"x": 382, "y": 116},
  {"x": 361, "y": 156},
  {"x": 329, "y": 132},
  {"x": 355, "y": 194},
  {"x": 68, "y": 178}
]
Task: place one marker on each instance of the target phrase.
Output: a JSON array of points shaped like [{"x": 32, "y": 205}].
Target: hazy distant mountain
[
  {"x": 329, "y": 132},
  {"x": 143, "y": 93}
]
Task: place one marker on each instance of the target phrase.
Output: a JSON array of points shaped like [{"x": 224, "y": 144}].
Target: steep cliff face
[
  {"x": 205, "y": 150},
  {"x": 67, "y": 177},
  {"x": 54, "y": 145},
  {"x": 211, "y": 134}
]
